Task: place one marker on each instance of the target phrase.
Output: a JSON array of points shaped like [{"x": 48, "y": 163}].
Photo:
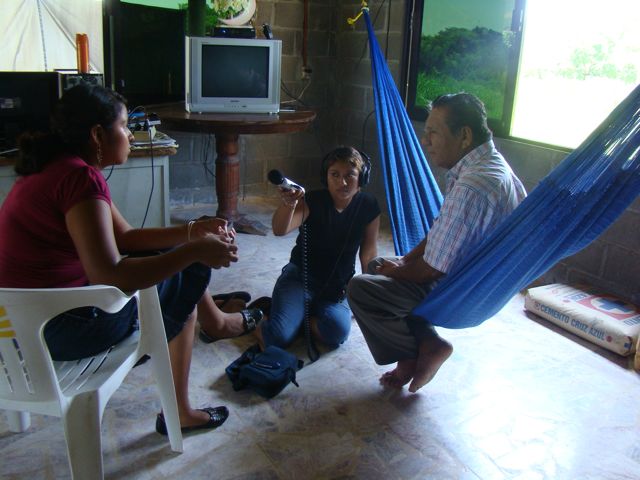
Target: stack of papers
[{"x": 159, "y": 140}]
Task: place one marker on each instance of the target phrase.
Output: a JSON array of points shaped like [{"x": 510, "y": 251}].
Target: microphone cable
[
  {"x": 312, "y": 350},
  {"x": 153, "y": 174}
]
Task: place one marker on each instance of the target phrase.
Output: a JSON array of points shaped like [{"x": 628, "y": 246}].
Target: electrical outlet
[{"x": 305, "y": 73}]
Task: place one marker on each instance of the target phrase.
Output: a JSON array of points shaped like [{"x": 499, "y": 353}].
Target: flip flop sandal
[
  {"x": 263, "y": 303},
  {"x": 226, "y": 297},
  {"x": 250, "y": 320}
]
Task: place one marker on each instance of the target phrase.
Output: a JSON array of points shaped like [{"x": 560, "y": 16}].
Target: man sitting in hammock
[{"x": 482, "y": 190}]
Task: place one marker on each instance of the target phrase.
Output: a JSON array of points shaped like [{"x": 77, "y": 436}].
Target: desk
[{"x": 227, "y": 127}]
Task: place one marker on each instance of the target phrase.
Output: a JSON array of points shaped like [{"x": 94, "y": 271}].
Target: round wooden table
[{"x": 227, "y": 127}]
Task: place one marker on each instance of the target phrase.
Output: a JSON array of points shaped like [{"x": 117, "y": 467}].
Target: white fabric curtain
[{"x": 40, "y": 35}]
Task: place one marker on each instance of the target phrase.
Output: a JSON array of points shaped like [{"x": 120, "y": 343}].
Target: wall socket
[{"x": 305, "y": 72}]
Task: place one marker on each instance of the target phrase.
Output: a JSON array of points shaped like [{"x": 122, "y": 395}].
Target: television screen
[{"x": 230, "y": 71}]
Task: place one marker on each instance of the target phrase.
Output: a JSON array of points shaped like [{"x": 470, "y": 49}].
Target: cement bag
[{"x": 595, "y": 316}]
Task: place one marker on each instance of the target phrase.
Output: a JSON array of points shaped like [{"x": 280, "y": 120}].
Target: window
[{"x": 548, "y": 71}]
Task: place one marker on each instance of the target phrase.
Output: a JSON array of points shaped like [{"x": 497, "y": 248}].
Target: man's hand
[
  {"x": 411, "y": 270},
  {"x": 388, "y": 267}
]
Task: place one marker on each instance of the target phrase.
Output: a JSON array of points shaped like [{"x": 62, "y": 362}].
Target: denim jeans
[
  {"x": 287, "y": 311},
  {"x": 86, "y": 331}
]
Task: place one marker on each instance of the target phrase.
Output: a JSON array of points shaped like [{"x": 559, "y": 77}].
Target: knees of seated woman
[
  {"x": 331, "y": 323},
  {"x": 288, "y": 309}
]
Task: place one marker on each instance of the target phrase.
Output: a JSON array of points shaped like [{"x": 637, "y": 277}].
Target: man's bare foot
[
  {"x": 399, "y": 376},
  {"x": 432, "y": 353}
]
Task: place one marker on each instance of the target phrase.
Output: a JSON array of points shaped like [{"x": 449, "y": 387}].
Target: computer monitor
[
  {"x": 233, "y": 75},
  {"x": 26, "y": 102}
]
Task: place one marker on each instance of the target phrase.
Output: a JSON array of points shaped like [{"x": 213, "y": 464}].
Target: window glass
[
  {"x": 579, "y": 59},
  {"x": 465, "y": 45}
]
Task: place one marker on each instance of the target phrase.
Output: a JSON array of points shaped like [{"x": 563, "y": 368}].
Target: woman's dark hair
[
  {"x": 78, "y": 110},
  {"x": 349, "y": 155},
  {"x": 343, "y": 154},
  {"x": 465, "y": 110}
]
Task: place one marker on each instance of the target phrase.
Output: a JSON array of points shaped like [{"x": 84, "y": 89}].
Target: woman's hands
[
  {"x": 217, "y": 241},
  {"x": 217, "y": 250},
  {"x": 290, "y": 197},
  {"x": 206, "y": 225},
  {"x": 290, "y": 213}
]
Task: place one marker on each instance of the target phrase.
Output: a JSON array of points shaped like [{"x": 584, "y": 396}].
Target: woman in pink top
[{"x": 59, "y": 228}]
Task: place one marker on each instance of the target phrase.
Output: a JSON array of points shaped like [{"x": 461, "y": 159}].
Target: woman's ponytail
[{"x": 36, "y": 150}]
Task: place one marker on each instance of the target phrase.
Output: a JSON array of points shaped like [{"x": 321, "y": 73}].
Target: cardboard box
[{"x": 593, "y": 315}]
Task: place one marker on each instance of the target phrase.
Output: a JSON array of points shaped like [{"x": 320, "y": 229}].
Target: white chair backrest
[{"x": 26, "y": 371}]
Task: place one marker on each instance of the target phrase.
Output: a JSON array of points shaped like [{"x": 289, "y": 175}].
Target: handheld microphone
[{"x": 281, "y": 181}]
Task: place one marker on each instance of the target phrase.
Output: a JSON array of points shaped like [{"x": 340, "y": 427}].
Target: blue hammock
[
  {"x": 576, "y": 202},
  {"x": 412, "y": 193}
]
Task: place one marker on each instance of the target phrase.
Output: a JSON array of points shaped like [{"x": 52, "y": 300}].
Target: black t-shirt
[{"x": 333, "y": 239}]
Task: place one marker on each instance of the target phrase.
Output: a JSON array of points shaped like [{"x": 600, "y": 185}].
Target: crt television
[{"x": 232, "y": 75}]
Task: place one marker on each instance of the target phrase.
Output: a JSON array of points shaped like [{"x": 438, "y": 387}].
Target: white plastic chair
[{"x": 78, "y": 391}]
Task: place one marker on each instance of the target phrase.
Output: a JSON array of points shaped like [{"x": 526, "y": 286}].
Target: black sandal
[
  {"x": 227, "y": 297},
  {"x": 250, "y": 320},
  {"x": 217, "y": 416},
  {"x": 263, "y": 303}
]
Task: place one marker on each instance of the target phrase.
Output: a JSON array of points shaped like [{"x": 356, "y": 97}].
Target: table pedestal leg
[
  {"x": 228, "y": 185},
  {"x": 227, "y": 176}
]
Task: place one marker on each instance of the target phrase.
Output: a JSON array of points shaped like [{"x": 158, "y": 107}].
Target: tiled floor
[{"x": 517, "y": 400}]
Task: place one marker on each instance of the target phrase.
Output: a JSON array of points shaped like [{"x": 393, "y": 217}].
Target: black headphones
[{"x": 345, "y": 152}]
